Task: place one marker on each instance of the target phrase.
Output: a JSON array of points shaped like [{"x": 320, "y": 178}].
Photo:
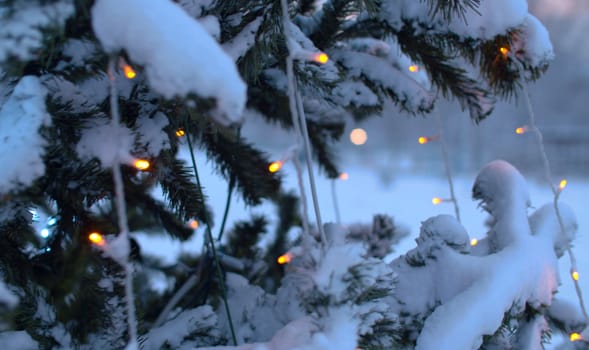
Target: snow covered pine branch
[{"x": 199, "y": 67}]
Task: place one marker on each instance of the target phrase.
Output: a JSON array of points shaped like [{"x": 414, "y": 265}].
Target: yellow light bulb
[
  {"x": 141, "y": 164},
  {"x": 423, "y": 140},
  {"x": 474, "y": 242},
  {"x": 504, "y": 51},
  {"x": 284, "y": 259},
  {"x": 358, "y": 136},
  {"x": 96, "y": 238},
  {"x": 436, "y": 200},
  {"x": 562, "y": 184},
  {"x": 193, "y": 224},
  {"x": 343, "y": 176},
  {"x": 575, "y": 337},
  {"x": 521, "y": 130},
  {"x": 413, "y": 68},
  {"x": 180, "y": 132},
  {"x": 129, "y": 72},
  {"x": 321, "y": 58},
  {"x": 275, "y": 166},
  {"x": 575, "y": 275}
]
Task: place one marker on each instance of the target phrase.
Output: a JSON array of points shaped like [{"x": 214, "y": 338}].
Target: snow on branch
[
  {"x": 21, "y": 145},
  {"x": 22, "y": 26},
  {"x": 534, "y": 43},
  {"x": 179, "y": 56},
  {"x": 412, "y": 94},
  {"x": 488, "y": 19},
  {"x": 520, "y": 271}
]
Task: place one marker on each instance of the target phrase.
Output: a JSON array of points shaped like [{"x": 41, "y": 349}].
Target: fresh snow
[
  {"x": 237, "y": 47},
  {"x": 107, "y": 142},
  {"x": 22, "y": 30},
  {"x": 408, "y": 199},
  {"x": 411, "y": 93},
  {"x": 7, "y": 297},
  {"x": 180, "y": 57},
  {"x": 21, "y": 145},
  {"x": 17, "y": 340},
  {"x": 537, "y": 47},
  {"x": 491, "y": 18},
  {"x": 151, "y": 133}
]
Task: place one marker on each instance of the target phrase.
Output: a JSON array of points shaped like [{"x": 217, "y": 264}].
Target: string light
[
  {"x": 96, "y": 238},
  {"x": 284, "y": 259},
  {"x": 141, "y": 164},
  {"x": 193, "y": 224},
  {"x": 474, "y": 242},
  {"x": 422, "y": 140},
  {"x": 275, "y": 166},
  {"x": 575, "y": 275},
  {"x": 562, "y": 184},
  {"x": 504, "y": 51},
  {"x": 343, "y": 176},
  {"x": 128, "y": 71},
  {"x": 575, "y": 337},
  {"x": 44, "y": 233},
  {"x": 180, "y": 132},
  {"x": 521, "y": 130},
  {"x": 358, "y": 136},
  {"x": 321, "y": 58},
  {"x": 413, "y": 68},
  {"x": 437, "y": 200}
]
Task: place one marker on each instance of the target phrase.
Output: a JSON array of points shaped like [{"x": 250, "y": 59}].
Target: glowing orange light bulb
[
  {"x": 343, "y": 176},
  {"x": 284, "y": 259},
  {"x": 141, "y": 164},
  {"x": 180, "y": 132},
  {"x": 562, "y": 184},
  {"x": 504, "y": 51},
  {"x": 193, "y": 224},
  {"x": 275, "y": 166},
  {"x": 423, "y": 140},
  {"x": 521, "y": 130},
  {"x": 321, "y": 58},
  {"x": 129, "y": 72},
  {"x": 436, "y": 200},
  {"x": 575, "y": 337},
  {"x": 414, "y": 68},
  {"x": 575, "y": 275},
  {"x": 96, "y": 238},
  {"x": 474, "y": 242}
]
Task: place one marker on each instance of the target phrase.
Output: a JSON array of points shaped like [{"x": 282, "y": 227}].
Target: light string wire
[
  {"x": 193, "y": 279},
  {"x": 444, "y": 148},
  {"x": 298, "y": 116},
  {"x": 122, "y": 211},
  {"x": 548, "y": 177},
  {"x": 211, "y": 242}
]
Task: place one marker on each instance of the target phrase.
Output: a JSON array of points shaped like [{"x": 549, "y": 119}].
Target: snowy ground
[{"x": 407, "y": 198}]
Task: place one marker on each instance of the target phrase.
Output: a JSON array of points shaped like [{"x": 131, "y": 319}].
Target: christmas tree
[{"x": 100, "y": 99}]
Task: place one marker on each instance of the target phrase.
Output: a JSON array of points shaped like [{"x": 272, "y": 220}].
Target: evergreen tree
[{"x": 185, "y": 74}]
